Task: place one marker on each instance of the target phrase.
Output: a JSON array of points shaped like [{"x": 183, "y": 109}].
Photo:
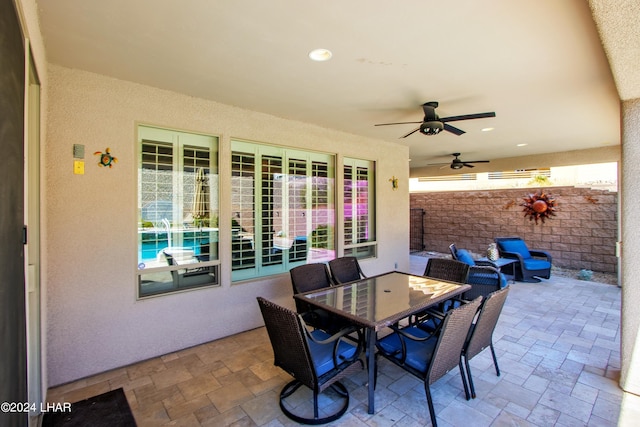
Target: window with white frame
[
  {"x": 283, "y": 209},
  {"x": 359, "y": 208},
  {"x": 177, "y": 211}
]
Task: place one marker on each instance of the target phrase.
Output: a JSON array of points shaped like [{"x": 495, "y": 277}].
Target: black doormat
[{"x": 109, "y": 409}]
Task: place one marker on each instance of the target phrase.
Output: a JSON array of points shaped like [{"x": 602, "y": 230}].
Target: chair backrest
[
  {"x": 483, "y": 280},
  {"x": 447, "y": 269},
  {"x": 345, "y": 269},
  {"x": 451, "y": 340},
  {"x": 454, "y": 251},
  {"x": 513, "y": 244},
  {"x": 482, "y": 331},
  {"x": 309, "y": 277},
  {"x": 290, "y": 347}
]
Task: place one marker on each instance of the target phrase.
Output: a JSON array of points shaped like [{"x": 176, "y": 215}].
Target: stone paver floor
[{"x": 557, "y": 343}]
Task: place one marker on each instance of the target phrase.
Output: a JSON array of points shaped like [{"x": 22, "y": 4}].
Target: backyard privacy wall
[{"x": 583, "y": 233}]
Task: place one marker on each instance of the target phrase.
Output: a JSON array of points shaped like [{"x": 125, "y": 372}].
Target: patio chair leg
[
  {"x": 432, "y": 411},
  {"x": 471, "y": 386},
  {"x": 495, "y": 360},
  {"x": 464, "y": 380}
]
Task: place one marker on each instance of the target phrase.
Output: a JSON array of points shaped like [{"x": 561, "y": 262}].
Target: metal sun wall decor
[
  {"x": 106, "y": 159},
  {"x": 539, "y": 206}
]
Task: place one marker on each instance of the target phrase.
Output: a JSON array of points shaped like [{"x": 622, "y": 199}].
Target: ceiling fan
[
  {"x": 456, "y": 163},
  {"x": 433, "y": 125}
]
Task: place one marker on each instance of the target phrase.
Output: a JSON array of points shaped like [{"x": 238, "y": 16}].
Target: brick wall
[{"x": 583, "y": 233}]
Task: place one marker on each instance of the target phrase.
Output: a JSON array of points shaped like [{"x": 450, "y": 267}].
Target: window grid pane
[
  {"x": 297, "y": 185},
  {"x": 294, "y": 212},
  {"x": 272, "y": 180},
  {"x": 321, "y": 211},
  {"x": 242, "y": 200},
  {"x": 362, "y": 204},
  {"x": 348, "y": 205},
  {"x": 359, "y": 223},
  {"x": 156, "y": 193},
  {"x": 175, "y": 252}
]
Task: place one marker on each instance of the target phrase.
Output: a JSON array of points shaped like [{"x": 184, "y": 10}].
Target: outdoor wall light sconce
[{"x": 394, "y": 182}]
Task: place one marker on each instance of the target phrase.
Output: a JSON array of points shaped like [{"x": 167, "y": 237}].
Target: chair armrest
[
  {"x": 484, "y": 269},
  {"x": 336, "y": 338},
  {"x": 540, "y": 254},
  {"x": 512, "y": 255}
]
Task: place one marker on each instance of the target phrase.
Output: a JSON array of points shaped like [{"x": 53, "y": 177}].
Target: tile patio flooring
[{"x": 557, "y": 344}]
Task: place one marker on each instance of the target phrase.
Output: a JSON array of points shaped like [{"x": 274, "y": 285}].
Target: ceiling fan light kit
[{"x": 431, "y": 128}]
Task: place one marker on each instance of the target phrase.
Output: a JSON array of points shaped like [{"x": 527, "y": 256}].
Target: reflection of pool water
[{"x": 149, "y": 250}]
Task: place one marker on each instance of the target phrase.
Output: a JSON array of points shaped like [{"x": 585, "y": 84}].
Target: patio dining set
[{"x": 427, "y": 325}]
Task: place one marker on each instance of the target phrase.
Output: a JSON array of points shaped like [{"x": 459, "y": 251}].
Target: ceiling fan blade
[
  {"x": 453, "y": 130},
  {"x": 413, "y": 131},
  {"x": 477, "y": 161},
  {"x": 439, "y": 164},
  {"x": 467, "y": 165},
  {"x": 399, "y": 123},
  {"x": 468, "y": 117}
]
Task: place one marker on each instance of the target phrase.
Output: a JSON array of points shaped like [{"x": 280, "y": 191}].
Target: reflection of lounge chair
[
  {"x": 242, "y": 253},
  {"x": 298, "y": 250},
  {"x": 191, "y": 276}
]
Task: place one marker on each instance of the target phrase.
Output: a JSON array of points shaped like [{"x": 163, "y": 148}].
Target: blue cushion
[
  {"x": 503, "y": 280},
  {"x": 418, "y": 352},
  {"x": 464, "y": 256},
  {"x": 517, "y": 246},
  {"x": 536, "y": 264},
  {"x": 322, "y": 354}
]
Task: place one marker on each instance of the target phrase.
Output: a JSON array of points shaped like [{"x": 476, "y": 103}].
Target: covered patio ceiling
[{"x": 540, "y": 65}]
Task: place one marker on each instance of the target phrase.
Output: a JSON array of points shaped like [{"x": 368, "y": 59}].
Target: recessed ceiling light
[
  {"x": 486, "y": 129},
  {"x": 320, "y": 55},
  {"x": 520, "y": 145}
]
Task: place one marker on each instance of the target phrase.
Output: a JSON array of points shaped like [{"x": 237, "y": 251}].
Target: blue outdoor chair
[
  {"x": 430, "y": 356},
  {"x": 314, "y": 359},
  {"x": 532, "y": 263},
  {"x": 483, "y": 277}
]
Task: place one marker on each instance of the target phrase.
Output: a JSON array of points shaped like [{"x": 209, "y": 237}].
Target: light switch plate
[{"x": 78, "y": 167}]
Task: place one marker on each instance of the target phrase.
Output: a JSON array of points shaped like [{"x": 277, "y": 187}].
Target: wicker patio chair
[
  {"x": 429, "y": 356},
  {"x": 311, "y": 277},
  {"x": 484, "y": 280},
  {"x": 447, "y": 269},
  {"x": 481, "y": 332},
  {"x": 532, "y": 263},
  {"x": 345, "y": 269},
  {"x": 444, "y": 269},
  {"x": 483, "y": 277},
  {"x": 314, "y": 359}
]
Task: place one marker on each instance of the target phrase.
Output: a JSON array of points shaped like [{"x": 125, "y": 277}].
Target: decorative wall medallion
[
  {"x": 394, "y": 182},
  {"x": 539, "y": 206},
  {"x": 106, "y": 159}
]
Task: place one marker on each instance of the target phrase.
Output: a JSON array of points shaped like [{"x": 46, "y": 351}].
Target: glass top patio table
[{"x": 379, "y": 301}]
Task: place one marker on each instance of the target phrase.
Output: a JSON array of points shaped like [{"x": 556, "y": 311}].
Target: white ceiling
[{"x": 539, "y": 64}]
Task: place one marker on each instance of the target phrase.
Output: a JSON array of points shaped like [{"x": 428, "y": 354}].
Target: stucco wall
[
  {"x": 630, "y": 328},
  {"x": 583, "y": 233},
  {"x": 95, "y": 322}
]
